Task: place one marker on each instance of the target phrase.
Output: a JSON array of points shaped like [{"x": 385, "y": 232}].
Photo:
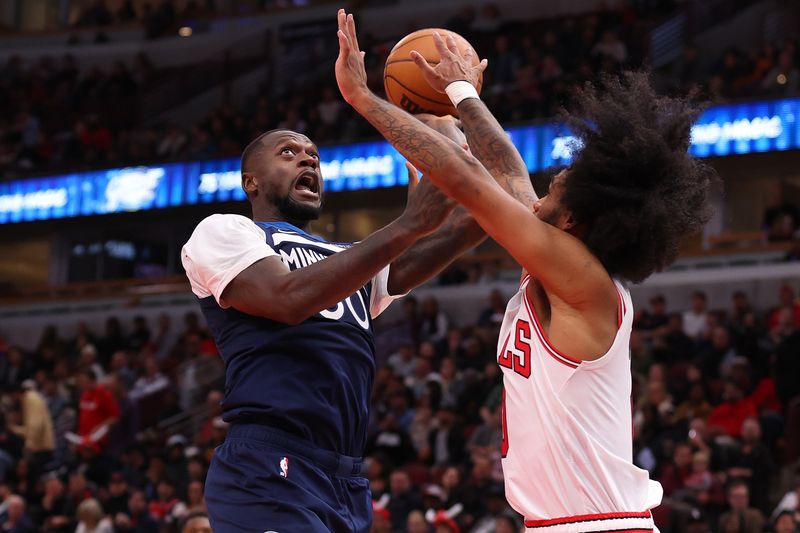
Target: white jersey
[{"x": 568, "y": 434}]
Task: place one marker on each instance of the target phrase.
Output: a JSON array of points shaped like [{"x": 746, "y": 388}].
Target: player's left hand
[
  {"x": 453, "y": 65},
  {"x": 350, "y": 72}
]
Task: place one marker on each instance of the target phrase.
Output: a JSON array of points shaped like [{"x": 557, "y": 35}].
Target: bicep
[
  {"x": 259, "y": 289},
  {"x": 558, "y": 260}
]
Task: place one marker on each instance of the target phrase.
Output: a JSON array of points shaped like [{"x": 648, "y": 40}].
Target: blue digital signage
[{"x": 722, "y": 130}]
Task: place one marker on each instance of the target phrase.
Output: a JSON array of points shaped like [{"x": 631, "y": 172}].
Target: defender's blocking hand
[
  {"x": 351, "y": 76},
  {"x": 453, "y": 65}
]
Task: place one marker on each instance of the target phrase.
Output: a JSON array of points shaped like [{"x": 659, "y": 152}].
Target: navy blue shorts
[{"x": 262, "y": 479}]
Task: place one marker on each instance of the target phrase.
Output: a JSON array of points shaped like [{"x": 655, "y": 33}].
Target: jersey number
[{"x": 520, "y": 360}]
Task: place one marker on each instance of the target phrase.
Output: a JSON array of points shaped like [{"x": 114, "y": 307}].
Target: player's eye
[
  {"x": 314, "y": 154},
  {"x": 287, "y": 150}
]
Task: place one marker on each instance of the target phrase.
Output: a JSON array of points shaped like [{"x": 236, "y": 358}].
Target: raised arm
[
  {"x": 486, "y": 137},
  {"x": 263, "y": 286},
  {"x": 459, "y": 233},
  {"x": 560, "y": 261}
]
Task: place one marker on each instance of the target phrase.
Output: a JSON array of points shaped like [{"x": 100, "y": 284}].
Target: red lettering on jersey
[
  {"x": 522, "y": 342},
  {"x": 504, "y": 359}
]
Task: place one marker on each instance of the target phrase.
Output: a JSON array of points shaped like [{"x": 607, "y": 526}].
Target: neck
[{"x": 270, "y": 213}]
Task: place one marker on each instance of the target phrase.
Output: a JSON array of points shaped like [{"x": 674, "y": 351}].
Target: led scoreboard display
[{"x": 722, "y": 130}]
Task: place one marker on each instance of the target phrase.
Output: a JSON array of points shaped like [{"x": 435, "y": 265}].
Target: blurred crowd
[
  {"x": 55, "y": 116},
  {"x": 114, "y": 430},
  {"x": 96, "y": 432},
  {"x": 163, "y": 18}
]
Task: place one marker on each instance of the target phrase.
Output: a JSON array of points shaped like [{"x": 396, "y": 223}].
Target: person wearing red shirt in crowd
[
  {"x": 167, "y": 508},
  {"x": 728, "y": 416},
  {"x": 765, "y": 397},
  {"x": 673, "y": 475},
  {"x": 97, "y": 411},
  {"x": 788, "y": 301}
]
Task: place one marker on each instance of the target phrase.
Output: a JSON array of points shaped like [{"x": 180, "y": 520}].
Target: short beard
[{"x": 296, "y": 213}]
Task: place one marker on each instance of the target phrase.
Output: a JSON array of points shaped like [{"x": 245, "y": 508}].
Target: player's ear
[
  {"x": 249, "y": 183},
  {"x": 568, "y": 222}
]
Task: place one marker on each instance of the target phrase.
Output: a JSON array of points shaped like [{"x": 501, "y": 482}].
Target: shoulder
[
  {"x": 227, "y": 228},
  {"x": 219, "y": 220}
]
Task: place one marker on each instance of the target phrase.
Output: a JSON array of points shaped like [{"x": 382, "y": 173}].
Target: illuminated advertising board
[{"x": 722, "y": 130}]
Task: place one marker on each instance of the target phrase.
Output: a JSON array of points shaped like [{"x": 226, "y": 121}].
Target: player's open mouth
[{"x": 307, "y": 184}]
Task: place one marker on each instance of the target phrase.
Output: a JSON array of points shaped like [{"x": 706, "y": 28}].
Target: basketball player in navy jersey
[{"x": 292, "y": 316}]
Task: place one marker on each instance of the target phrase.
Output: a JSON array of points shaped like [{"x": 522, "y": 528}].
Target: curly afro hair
[{"x": 632, "y": 184}]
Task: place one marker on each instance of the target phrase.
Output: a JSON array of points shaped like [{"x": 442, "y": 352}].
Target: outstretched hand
[
  {"x": 453, "y": 65},
  {"x": 351, "y": 76}
]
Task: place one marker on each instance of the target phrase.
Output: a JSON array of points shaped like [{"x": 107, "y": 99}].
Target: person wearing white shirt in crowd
[
  {"x": 151, "y": 382},
  {"x": 695, "y": 320}
]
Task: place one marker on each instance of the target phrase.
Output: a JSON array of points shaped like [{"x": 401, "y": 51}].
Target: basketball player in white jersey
[{"x": 616, "y": 215}]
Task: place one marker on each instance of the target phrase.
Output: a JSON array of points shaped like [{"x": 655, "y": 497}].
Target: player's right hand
[
  {"x": 427, "y": 207},
  {"x": 453, "y": 65}
]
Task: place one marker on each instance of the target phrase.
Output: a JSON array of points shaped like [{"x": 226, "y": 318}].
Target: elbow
[{"x": 397, "y": 286}]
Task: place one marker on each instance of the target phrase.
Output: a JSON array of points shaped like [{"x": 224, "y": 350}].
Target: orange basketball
[{"x": 406, "y": 87}]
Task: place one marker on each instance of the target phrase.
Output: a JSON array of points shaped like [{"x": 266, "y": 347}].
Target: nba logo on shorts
[{"x": 284, "y": 467}]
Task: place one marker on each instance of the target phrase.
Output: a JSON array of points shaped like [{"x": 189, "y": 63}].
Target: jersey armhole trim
[
  {"x": 555, "y": 352},
  {"x": 549, "y": 348}
]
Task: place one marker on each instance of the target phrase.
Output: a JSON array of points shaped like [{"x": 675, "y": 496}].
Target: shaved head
[{"x": 255, "y": 147}]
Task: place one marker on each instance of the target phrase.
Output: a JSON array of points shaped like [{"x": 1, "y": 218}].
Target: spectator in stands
[
  {"x": 112, "y": 340},
  {"x": 695, "y": 320},
  {"x": 673, "y": 475},
  {"x": 716, "y": 359},
  {"x": 403, "y": 361},
  {"x": 751, "y": 462},
  {"x": 728, "y": 417},
  {"x": 789, "y": 503},
  {"x": 610, "y": 46},
  {"x": 785, "y": 523},
  {"x": 137, "y": 520},
  {"x": 165, "y": 338},
  {"x": 118, "y": 494},
  {"x": 98, "y": 411},
  {"x": 16, "y": 516},
  {"x": 784, "y": 78},
  {"x": 51, "y": 511},
  {"x": 140, "y": 334},
  {"x": 787, "y": 363},
  {"x": 122, "y": 434},
  {"x": 196, "y": 522},
  {"x": 404, "y": 499},
  {"x": 789, "y": 302},
  {"x": 167, "y": 509},
  {"x": 434, "y": 324},
  {"x": 91, "y": 518},
  {"x": 151, "y": 381},
  {"x": 194, "y": 497},
  {"x": 654, "y": 318},
  {"x": 492, "y": 316},
  {"x": 13, "y": 369},
  {"x": 487, "y": 438},
  {"x": 37, "y": 426},
  {"x": 749, "y": 520},
  {"x": 88, "y": 361}
]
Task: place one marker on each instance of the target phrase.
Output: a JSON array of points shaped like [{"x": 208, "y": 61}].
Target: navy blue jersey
[{"x": 312, "y": 379}]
